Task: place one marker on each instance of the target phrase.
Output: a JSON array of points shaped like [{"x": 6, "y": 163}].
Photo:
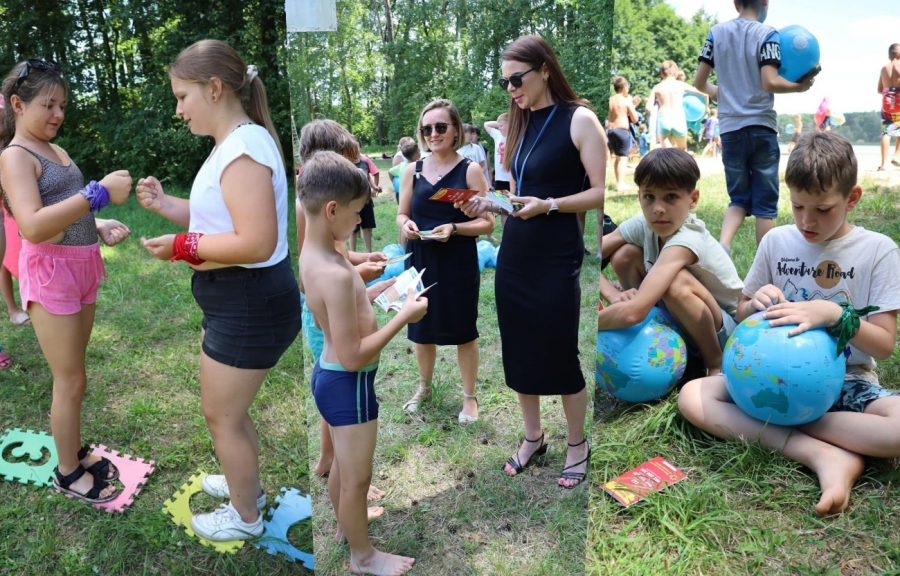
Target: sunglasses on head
[
  {"x": 439, "y": 127},
  {"x": 515, "y": 79},
  {"x": 37, "y": 64}
]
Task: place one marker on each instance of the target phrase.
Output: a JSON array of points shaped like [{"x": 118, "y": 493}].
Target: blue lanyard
[{"x": 521, "y": 171}]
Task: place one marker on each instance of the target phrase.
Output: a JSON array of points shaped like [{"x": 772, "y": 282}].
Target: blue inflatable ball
[
  {"x": 642, "y": 362},
  {"x": 799, "y": 52},
  {"x": 790, "y": 129},
  {"x": 397, "y": 268},
  {"x": 694, "y": 107},
  {"x": 785, "y": 380},
  {"x": 696, "y": 126},
  {"x": 396, "y": 182},
  {"x": 485, "y": 254}
]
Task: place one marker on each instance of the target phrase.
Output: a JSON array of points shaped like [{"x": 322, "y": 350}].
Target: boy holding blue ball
[
  {"x": 665, "y": 257},
  {"x": 746, "y": 55},
  {"x": 821, "y": 273}
]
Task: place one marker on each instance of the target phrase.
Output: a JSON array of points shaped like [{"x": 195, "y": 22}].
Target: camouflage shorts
[{"x": 857, "y": 393}]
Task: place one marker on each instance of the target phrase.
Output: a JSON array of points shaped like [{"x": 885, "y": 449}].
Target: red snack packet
[
  {"x": 651, "y": 476},
  {"x": 453, "y": 195}
]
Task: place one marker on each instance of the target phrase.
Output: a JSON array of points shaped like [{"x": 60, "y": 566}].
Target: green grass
[
  {"x": 143, "y": 399},
  {"x": 741, "y": 510}
]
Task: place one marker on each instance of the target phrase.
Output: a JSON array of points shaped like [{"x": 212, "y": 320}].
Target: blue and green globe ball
[
  {"x": 785, "y": 380},
  {"x": 642, "y": 362}
]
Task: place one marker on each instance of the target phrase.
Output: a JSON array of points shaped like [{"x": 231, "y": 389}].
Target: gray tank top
[{"x": 58, "y": 183}]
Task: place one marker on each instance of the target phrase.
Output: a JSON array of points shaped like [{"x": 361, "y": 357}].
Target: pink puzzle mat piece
[{"x": 133, "y": 474}]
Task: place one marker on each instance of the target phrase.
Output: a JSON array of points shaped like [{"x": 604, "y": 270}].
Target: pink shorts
[
  {"x": 13, "y": 244},
  {"x": 59, "y": 278}
]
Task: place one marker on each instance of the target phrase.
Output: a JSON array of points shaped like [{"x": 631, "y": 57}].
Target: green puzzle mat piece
[{"x": 32, "y": 444}]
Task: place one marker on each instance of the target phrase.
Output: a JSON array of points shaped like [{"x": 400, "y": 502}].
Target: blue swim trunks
[
  {"x": 857, "y": 393},
  {"x": 344, "y": 398}
]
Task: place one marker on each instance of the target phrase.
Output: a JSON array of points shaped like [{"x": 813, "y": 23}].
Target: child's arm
[
  {"x": 702, "y": 83},
  {"x": 39, "y": 223},
  {"x": 301, "y": 226},
  {"x": 404, "y": 211},
  {"x": 775, "y": 84},
  {"x": 354, "y": 351},
  {"x": 672, "y": 260},
  {"x": 150, "y": 196}
]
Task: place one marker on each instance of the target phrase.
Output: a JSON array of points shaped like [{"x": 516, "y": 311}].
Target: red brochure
[{"x": 649, "y": 477}]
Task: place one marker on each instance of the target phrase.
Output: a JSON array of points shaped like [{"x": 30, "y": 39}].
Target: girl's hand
[
  {"x": 112, "y": 231},
  {"x": 370, "y": 271},
  {"x": 531, "y": 207},
  {"x": 807, "y": 315},
  {"x": 161, "y": 247},
  {"x": 376, "y": 257},
  {"x": 623, "y": 296},
  {"x": 410, "y": 230},
  {"x": 118, "y": 184},
  {"x": 150, "y": 194},
  {"x": 444, "y": 230}
]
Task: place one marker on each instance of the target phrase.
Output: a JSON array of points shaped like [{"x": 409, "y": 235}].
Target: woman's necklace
[{"x": 439, "y": 169}]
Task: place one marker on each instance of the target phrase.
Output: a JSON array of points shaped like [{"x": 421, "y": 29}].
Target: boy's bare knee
[
  {"x": 356, "y": 482},
  {"x": 626, "y": 257},
  {"x": 689, "y": 401}
]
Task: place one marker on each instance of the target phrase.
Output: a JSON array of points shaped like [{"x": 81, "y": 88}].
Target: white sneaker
[
  {"x": 216, "y": 486},
  {"x": 225, "y": 524}
]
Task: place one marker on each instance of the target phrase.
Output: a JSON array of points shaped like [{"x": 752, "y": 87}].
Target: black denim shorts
[{"x": 251, "y": 316}]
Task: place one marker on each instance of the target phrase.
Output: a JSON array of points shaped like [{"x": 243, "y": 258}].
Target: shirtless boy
[
  {"x": 622, "y": 115},
  {"x": 333, "y": 192},
  {"x": 889, "y": 88}
]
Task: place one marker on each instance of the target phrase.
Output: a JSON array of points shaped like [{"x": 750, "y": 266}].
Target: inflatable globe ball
[
  {"x": 790, "y": 129},
  {"x": 781, "y": 379},
  {"x": 642, "y": 362},
  {"x": 694, "y": 107},
  {"x": 799, "y": 53}
]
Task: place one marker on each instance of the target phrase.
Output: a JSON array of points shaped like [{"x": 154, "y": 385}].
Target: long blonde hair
[{"x": 202, "y": 61}]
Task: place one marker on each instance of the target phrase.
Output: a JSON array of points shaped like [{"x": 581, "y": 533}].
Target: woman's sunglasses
[
  {"x": 42, "y": 65},
  {"x": 439, "y": 127},
  {"x": 515, "y": 79}
]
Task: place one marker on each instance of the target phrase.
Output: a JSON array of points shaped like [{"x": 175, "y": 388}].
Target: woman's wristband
[
  {"x": 96, "y": 194},
  {"x": 185, "y": 248}
]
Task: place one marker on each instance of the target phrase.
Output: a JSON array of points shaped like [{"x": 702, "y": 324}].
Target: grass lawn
[
  {"x": 741, "y": 509},
  {"x": 143, "y": 399}
]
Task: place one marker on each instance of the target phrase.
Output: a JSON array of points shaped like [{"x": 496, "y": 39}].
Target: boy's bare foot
[
  {"x": 837, "y": 471},
  {"x": 323, "y": 466},
  {"x": 374, "y": 494},
  {"x": 374, "y": 513},
  {"x": 382, "y": 564}
]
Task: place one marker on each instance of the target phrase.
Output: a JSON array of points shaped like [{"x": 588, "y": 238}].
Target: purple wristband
[{"x": 96, "y": 194}]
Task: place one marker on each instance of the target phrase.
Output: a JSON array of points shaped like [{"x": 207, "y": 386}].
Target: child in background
[
  {"x": 332, "y": 192},
  {"x": 865, "y": 421}
]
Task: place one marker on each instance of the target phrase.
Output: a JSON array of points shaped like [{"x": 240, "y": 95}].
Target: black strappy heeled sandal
[
  {"x": 101, "y": 468},
  {"x": 513, "y": 460},
  {"x": 576, "y": 475},
  {"x": 92, "y": 496}
]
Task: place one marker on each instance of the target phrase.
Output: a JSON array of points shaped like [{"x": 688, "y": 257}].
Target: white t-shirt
[
  {"x": 473, "y": 152},
  {"x": 499, "y": 149},
  {"x": 209, "y": 214},
  {"x": 859, "y": 268},
  {"x": 714, "y": 269}
]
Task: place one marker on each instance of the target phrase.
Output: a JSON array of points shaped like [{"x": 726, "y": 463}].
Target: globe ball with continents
[
  {"x": 781, "y": 379},
  {"x": 642, "y": 362}
]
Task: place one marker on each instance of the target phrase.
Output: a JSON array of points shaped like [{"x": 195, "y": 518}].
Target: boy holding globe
[
  {"x": 746, "y": 56},
  {"x": 666, "y": 257},
  {"x": 821, "y": 273}
]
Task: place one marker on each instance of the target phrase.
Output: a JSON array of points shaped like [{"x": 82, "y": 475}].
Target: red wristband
[{"x": 185, "y": 248}]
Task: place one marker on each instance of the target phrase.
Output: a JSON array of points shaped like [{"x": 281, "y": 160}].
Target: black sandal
[
  {"x": 62, "y": 483},
  {"x": 101, "y": 468},
  {"x": 576, "y": 475},
  {"x": 513, "y": 460}
]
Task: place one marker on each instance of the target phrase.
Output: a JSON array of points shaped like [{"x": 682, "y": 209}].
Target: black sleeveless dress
[
  {"x": 453, "y": 303},
  {"x": 539, "y": 265}
]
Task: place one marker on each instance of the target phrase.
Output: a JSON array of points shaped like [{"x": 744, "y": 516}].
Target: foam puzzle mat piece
[
  {"x": 31, "y": 444},
  {"x": 179, "y": 508},
  {"x": 292, "y": 507},
  {"x": 133, "y": 474}
]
